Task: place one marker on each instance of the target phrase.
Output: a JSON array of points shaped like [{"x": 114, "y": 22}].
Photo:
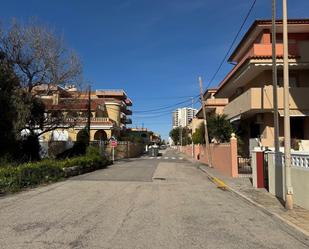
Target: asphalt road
[{"x": 162, "y": 202}]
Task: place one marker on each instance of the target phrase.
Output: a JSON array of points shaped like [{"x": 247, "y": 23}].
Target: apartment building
[
  {"x": 109, "y": 112},
  {"x": 143, "y": 134},
  {"x": 213, "y": 105},
  {"x": 183, "y": 116},
  {"x": 247, "y": 89}
]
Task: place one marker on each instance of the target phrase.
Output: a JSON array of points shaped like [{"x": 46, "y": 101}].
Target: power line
[
  {"x": 232, "y": 44},
  {"x": 162, "y": 108},
  {"x": 153, "y": 116},
  {"x": 156, "y": 112},
  {"x": 164, "y": 97}
]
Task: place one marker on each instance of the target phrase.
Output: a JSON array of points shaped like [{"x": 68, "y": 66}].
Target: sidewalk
[{"x": 297, "y": 218}]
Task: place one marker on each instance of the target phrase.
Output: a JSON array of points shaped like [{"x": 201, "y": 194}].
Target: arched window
[
  {"x": 60, "y": 135},
  {"x": 100, "y": 135}
]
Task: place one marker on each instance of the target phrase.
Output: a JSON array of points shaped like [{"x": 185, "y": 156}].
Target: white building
[{"x": 182, "y": 116}]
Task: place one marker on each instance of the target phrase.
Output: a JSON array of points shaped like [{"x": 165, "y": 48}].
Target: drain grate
[{"x": 159, "y": 178}]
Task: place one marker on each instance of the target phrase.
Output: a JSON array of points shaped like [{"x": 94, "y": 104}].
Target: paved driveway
[{"x": 122, "y": 207}]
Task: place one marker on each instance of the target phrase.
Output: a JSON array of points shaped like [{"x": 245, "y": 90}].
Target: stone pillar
[
  {"x": 128, "y": 149},
  {"x": 234, "y": 156}
]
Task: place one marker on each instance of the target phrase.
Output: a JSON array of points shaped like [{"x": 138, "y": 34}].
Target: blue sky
[{"x": 155, "y": 50}]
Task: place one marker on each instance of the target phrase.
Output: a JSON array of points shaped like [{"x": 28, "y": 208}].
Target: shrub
[
  {"x": 29, "y": 174},
  {"x": 198, "y": 136},
  {"x": 14, "y": 178}
]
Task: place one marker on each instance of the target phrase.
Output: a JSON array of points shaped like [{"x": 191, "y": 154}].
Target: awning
[
  {"x": 295, "y": 113},
  {"x": 236, "y": 118}
]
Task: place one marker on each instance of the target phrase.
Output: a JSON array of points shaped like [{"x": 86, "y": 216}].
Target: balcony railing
[
  {"x": 128, "y": 121},
  {"x": 298, "y": 160},
  {"x": 260, "y": 99},
  {"x": 127, "y": 111},
  {"x": 85, "y": 119}
]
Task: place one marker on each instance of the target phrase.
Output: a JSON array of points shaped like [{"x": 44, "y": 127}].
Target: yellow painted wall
[
  {"x": 267, "y": 130},
  {"x": 73, "y": 134},
  {"x": 113, "y": 111}
]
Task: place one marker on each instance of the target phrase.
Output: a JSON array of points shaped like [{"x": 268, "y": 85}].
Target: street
[{"x": 160, "y": 202}]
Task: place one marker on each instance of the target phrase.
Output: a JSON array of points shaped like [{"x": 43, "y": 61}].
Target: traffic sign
[{"x": 114, "y": 143}]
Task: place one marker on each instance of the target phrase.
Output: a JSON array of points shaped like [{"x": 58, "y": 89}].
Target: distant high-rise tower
[{"x": 182, "y": 116}]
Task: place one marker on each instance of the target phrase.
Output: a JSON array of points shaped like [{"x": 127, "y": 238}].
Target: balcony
[
  {"x": 111, "y": 93},
  {"x": 128, "y": 102},
  {"x": 213, "y": 103},
  {"x": 128, "y": 121},
  {"x": 80, "y": 120},
  {"x": 127, "y": 111},
  {"x": 261, "y": 100}
]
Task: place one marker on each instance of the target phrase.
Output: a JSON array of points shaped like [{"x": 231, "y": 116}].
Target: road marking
[{"x": 165, "y": 158}]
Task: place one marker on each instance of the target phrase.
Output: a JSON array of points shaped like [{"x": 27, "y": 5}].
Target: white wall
[{"x": 300, "y": 179}]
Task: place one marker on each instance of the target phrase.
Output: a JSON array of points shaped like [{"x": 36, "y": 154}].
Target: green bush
[
  {"x": 14, "y": 178},
  {"x": 29, "y": 174}
]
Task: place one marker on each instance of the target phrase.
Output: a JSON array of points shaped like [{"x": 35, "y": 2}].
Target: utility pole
[
  {"x": 89, "y": 113},
  {"x": 275, "y": 84},
  {"x": 205, "y": 124},
  {"x": 192, "y": 145},
  {"x": 287, "y": 129}
]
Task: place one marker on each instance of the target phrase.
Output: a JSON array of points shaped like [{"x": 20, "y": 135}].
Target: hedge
[{"x": 14, "y": 178}]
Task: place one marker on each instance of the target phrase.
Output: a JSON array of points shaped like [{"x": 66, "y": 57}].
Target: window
[{"x": 293, "y": 80}]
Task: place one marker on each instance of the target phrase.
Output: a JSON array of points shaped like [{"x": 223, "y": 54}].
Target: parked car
[{"x": 163, "y": 147}]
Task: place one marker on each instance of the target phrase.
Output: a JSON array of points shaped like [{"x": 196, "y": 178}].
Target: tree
[
  {"x": 40, "y": 60},
  {"x": 219, "y": 128},
  {"x": 198, "y": 136},
  {"x": 175, "y": 135},
  {"x": 39, "y": 57},
  {"x": 12, "y": 111},
  {"x": 180, "y": 135}
]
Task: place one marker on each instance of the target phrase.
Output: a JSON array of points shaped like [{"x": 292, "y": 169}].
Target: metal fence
[{"x": 244, "y": 165}]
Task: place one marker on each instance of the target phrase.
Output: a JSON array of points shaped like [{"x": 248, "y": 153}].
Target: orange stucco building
[
  {"x": 109, "y": 111},
  {"x": 248, "y": 91}
]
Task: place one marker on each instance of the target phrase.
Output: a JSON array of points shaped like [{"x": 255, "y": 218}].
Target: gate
[
  {"x": 265, "y": 170},
  {"x": 244, "y": 166}
]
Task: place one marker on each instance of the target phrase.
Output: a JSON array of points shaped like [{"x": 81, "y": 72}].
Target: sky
[{"x": 154, "y": 50}]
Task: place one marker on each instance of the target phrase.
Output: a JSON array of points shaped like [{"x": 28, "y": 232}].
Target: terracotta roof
[
  {"x": 270, "y": 57},
  {"x": 79, "y": 104}
]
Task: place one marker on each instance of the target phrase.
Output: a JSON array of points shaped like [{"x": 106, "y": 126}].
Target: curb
[{"x": 264, "y": 209}]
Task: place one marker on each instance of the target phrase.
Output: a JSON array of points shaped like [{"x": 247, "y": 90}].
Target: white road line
[
  {"x": 151, "y": 157},
  {"x": 159, "y": 157},
  {"x": 166, "y": 157},
  {"x": 173, "y": 158},
  {"x": 180, "y": 158}
]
